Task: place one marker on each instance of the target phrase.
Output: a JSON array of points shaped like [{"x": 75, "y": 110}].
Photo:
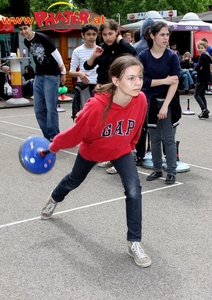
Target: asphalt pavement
[{"x": 81, "y": 252}]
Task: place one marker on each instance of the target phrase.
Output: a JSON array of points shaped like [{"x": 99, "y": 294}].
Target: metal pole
[{"x": 118, "y": 16}]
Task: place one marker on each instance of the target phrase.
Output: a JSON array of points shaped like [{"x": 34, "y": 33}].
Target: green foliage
[
  {"x": 110, "y": 8},
  {"x": 5, "y": 7},
  {"x": 38, "y": 5},
  {"x": 35, "y": 5}
]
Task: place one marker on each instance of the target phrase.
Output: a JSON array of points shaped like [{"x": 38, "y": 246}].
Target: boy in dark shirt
[{"x": 49, "y": 72}]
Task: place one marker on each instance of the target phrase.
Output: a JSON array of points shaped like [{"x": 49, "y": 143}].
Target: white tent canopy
[
  {"x": 191, "y": 22},
  {"x": 150, "y": 14},
  {"x": 133, "y": 26}
]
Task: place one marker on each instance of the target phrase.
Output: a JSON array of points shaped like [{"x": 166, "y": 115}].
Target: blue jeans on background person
[
  {"x": 187, "y": 79},
  {"x": 28, "y": 88},
  {"x": 125, "y": 165},
  {"x": 45, "y": 104},
  {"x": 194, "y": 76},
  {"x": 199, "y": 94},
  {"x": 164, "y": 133}
]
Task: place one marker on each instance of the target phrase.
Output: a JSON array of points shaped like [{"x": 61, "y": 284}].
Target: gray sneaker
[
  {"x": 48, "y": 209},
  {"x": 140, "y": 258},
  {"x": 105, "y": 164},
  {"x": 112, "y": 170}
]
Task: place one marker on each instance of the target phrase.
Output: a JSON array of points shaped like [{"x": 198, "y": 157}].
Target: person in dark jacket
[
  {"x": 113, "y": 46},
  {"x": 161, "y": 78},
  {"x": 142, "y": 43},
  {"x": 28, "y": 80},
  {"x": 203, "y": 77}
]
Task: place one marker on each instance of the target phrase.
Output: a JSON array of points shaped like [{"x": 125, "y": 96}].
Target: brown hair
[
  {"x": 153, "y": 29},
  {"x": 111, "y": 24},
  {"x": 204, "y": 40},
  {"x": 117, "y": 70},
  {"x": 136, "y": 35},
  {"x": 127, "y": 34}
]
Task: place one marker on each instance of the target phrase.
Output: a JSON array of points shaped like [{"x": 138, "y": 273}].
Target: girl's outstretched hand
[{"x": 98, "y": 51}]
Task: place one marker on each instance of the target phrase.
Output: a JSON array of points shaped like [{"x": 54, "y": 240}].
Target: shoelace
[
  {"x": 170, "y": 177},
  {"x": 136, "y": 248},
  {"x": 49, "y": 207}
]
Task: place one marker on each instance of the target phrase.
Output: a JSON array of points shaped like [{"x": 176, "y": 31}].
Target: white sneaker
[
  {"x": 60, "y": 109},
  {"x": 105, "y": 164},
  {"x": 48, "y": 209},
  {"x": 140, "y": 258},
  {"x": 112, "y": 170}
]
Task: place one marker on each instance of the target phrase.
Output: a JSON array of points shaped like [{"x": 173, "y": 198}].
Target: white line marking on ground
[
  {"x": 12, "y": 136},
  {"x": 24, "y": 126},
  {"x": 16, "y": 116},
  {"x": 17, "y": 138},
  {"x": 196, "y": 166},
  {"x": 200, "y": 167},
  {"x": 90, "y": 205},
  {"x": 85, "y": 206}
]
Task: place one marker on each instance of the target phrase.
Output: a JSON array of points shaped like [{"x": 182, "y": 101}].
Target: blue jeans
[
  {"x": 125, "y": 165},
  {"x": 194, "y": 76},
  {"x": 199, "y": 94},
  {"x": 28, "y": 88},
  {"x": 186, "y": 77},
  {"x": 164, "y": 133},
  {"x": 45, "y": 104}
]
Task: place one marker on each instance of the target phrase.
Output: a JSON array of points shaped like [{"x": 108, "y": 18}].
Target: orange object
[{"x": 18, "y": 52}]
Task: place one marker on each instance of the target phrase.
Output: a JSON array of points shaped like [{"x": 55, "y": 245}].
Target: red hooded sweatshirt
[{"x": 106, "y": 141}]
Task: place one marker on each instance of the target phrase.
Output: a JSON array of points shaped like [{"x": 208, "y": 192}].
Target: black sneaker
[
  {"x": 205, "y": 116},
  {"x": 187, "y": 92},
  {"x": 154, "y": 175},
  {"x": 170, "y": 179},
  {"x": 204, "y": 113},
  {"x": 138, "y": 161}
]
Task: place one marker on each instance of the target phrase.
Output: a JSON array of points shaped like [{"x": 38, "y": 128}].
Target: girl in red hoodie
[{"x": 108, "y": 129}]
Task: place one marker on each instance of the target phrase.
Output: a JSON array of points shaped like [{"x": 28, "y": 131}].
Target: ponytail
[{"x": 108, "y": 87}]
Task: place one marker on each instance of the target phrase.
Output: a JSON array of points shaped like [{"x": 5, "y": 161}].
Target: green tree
[
  {"x": 35, "y": 5},
  {"x": 110, "y": 8},
  {"x": 38, "y": 5}
]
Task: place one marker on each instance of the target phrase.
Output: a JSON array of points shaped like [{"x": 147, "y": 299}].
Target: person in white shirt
[{"x": 85, "y": 78}]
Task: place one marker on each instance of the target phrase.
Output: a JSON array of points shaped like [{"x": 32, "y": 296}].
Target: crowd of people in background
[
  {"x": 188, "y": 74},
  {"x": 90, "y": 64}
]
